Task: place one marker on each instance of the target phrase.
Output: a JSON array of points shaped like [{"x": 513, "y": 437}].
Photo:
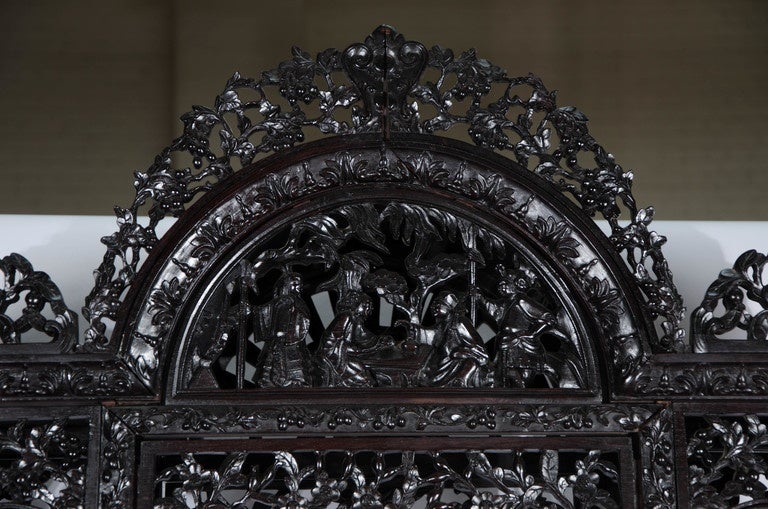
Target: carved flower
[
  {"x": 326, "y": 490},
  {"x": 488, "y": 500},
  {"x": 584, "y": 482},
  {"x": 292, "y": 501},
  {"x": 165, "y": 301},
  {"x": 367, "y": 497}
]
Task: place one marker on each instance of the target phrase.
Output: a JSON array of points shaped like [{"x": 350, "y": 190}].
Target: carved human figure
[
  {"x": 458, "y": 357},
  {"x": 283, "y": 323},
  {"x": 521, "y": 323},
  {"x": 345, "y": 342}
]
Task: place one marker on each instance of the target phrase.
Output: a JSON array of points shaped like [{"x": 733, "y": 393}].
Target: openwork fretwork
[
  {"x": 727, "y": 461},
  {"x": 384, "y": 74},
  {"x": 377, "y": 479},
  {"x": 42, "y": 463},
  {"x": 43, "y": 312},
  {"x": 386, "y": 317},
  {"x": 728, "y": 292}
]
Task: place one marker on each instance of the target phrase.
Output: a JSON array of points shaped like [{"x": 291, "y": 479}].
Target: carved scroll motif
[{"x": 349, "y": 92}]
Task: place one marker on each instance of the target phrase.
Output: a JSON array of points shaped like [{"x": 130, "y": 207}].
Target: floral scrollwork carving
[
  {"x": 727, "y": 461},
  {"x": 87, "y": 379},
  {"x": 743, "y": 281},
  {"x": 20, "y": 282},
  {"x": 116, "y": 486},
  {"x": 658, "y": 461},
  {"x": 43, "y": 464},
  {"x": 700, "y": 380},
  {"x": 396, "y": 480},
  {"x": 397, "y": 419}
]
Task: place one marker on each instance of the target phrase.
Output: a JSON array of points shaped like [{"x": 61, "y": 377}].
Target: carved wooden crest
[{"x": 387, "y": 317}]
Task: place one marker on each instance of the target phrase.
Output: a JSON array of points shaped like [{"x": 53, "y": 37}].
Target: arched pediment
[{"x": 395, "y": 224}]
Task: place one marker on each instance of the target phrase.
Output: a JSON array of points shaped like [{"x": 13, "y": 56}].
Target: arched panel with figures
[{"x": 419, "y": 263}]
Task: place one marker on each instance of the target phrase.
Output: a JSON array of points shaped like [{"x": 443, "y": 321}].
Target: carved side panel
[
  {"x": 117, "y": 485},
  {"x": 43, "y": 459},
  {"x": 727, "y": 460},
  {"x": 737, "y": 301},
  {"x": 657, "y": 460},
  {"x": 32, "y": 309}
]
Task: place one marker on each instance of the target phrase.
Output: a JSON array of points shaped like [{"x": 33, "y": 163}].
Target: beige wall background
[{"x": 91, "y": 90}]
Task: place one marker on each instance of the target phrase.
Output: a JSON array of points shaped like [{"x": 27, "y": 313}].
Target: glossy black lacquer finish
[{"x": 387, "y": 317}]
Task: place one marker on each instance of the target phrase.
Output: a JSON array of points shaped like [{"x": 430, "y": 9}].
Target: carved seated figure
[
  {"x": 521, "y": 324},
  {"x": 458, "y": 357},
  {"x": 346, "y": 342},
  {"x": 283, "y": 324}
]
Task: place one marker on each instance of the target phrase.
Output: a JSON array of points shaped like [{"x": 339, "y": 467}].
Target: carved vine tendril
[
  {"x": 19, "y": 282},
  {"x": 726, "y": 461}
]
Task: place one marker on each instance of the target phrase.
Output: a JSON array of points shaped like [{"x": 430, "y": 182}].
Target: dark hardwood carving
[
  {"x": 727, "y": 461},
  {"x": 426, "y": 264},
  {"x": 117, "y": 466},
  {"x": 384, "y": 317},
  {"x": 231, "y": 135},
  {"x": 43, "y": 459},
  {"x": 43, "y": 312},
  {"x": 732, "y": 287},
  {"x": 386, "y": 419}
]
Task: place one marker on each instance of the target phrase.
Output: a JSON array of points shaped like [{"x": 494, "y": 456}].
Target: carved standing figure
[
  {"x": 283, "y": 323},
  {"x": 521, "y": 323},
  {"x": 344, "y": 342},
  {"x": 458, "y": 357}
]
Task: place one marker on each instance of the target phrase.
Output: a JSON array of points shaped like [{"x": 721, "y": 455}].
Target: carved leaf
[{"x": 549, "y": 465}]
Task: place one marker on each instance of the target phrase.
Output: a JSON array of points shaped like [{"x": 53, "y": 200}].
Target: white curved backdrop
[{"x": 69, "y": 249}]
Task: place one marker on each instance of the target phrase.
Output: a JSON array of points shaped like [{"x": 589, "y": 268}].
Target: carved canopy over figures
[{"x": 384, "y": 317}]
